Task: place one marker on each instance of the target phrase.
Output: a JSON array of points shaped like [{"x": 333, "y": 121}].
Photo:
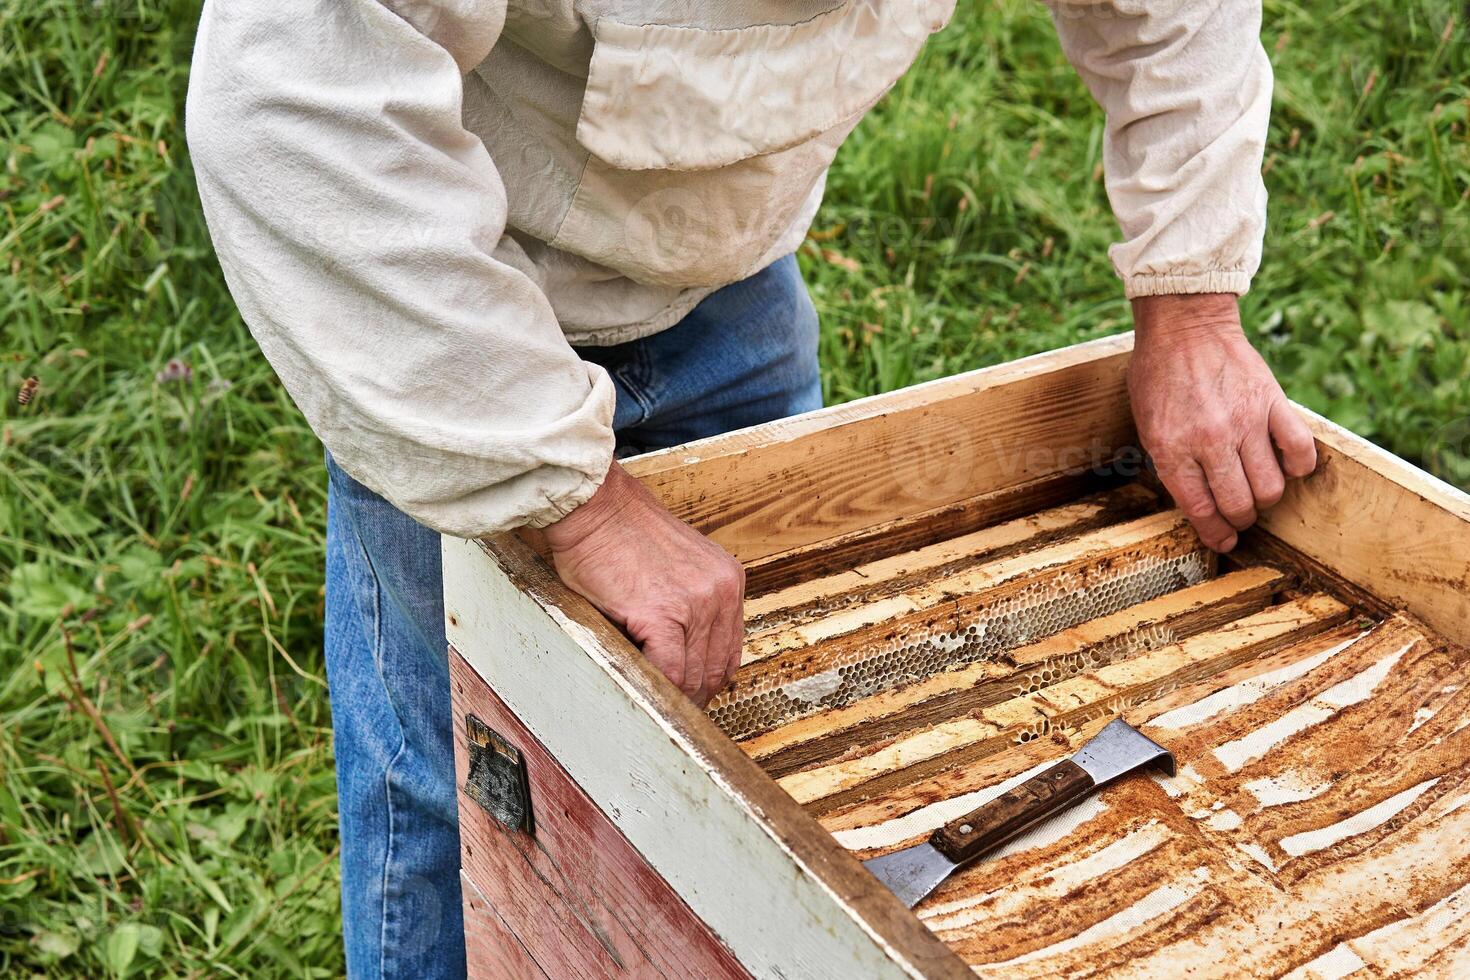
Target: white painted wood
[{"x": 727, "y": 861}]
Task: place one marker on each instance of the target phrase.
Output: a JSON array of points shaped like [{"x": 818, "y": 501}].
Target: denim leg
[
  {"x": 389, "y": 676},
  {"x": 746, "y": 354}
]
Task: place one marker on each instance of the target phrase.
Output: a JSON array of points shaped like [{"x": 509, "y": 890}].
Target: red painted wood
[
  {"x": 492, "y": 950},
  {"x": 576, "y": 897}
]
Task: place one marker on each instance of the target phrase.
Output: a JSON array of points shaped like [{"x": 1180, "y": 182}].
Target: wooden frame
[
  {"x": 879, "y": 464},
  {"x": 857, "y": 482},
  {"x": 1382, "y": 524}
]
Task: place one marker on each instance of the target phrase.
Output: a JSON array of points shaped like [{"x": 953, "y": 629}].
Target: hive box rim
[{"x": 1381, "y": 493}]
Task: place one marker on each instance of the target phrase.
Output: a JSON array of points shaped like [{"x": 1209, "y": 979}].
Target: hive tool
[{"x": 1116, "y": 751}]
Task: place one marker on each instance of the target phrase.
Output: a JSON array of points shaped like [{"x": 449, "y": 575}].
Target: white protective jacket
[{"x": 419, "y": 205}]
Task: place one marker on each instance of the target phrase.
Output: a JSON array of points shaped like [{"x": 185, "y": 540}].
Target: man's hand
[
  {"x": 676, "y": 593},
  {"x": 1208, "y": 412}
]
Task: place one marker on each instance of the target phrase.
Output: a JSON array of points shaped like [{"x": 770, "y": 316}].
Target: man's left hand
[{"x": 1211, "y": 414}]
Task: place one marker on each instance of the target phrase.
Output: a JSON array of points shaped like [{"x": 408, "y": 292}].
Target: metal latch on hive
[{"x": 497, "y": 779}]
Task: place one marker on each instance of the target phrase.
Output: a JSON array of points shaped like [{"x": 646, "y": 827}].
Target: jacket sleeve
[
  {"x": 361, "y": 230},
  {"x": 1186, "y": 87}
]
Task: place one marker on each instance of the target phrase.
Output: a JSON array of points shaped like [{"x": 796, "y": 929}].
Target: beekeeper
[{"x": 490, "y": 245}]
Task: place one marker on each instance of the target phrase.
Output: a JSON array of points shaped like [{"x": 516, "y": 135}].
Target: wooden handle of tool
[{"x": 992, "y": 824}]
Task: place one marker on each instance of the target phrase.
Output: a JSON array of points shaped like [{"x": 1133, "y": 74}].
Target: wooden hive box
[{"x": 950, "y": 587}]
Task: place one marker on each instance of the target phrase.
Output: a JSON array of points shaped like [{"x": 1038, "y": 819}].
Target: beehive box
[{"x": 950, "y": 587}]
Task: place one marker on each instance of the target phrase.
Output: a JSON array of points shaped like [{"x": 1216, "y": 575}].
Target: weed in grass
[{"x": 167, "y": 804}]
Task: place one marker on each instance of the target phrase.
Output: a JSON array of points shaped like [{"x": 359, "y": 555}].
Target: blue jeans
[{"x": 746, "y": 354}]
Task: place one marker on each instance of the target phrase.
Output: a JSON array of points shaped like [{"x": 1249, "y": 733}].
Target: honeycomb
[
  {"x": 1154, "y": 636},
  {"x": 1033, "y": 613},
  {"x": 817, "y": 608}
]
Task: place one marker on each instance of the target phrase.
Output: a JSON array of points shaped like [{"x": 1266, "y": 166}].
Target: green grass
[{"x": 166, "y": 795}]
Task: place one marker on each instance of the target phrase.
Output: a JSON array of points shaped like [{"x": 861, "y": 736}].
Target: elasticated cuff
[
  {"x": 1215, "y": 281},
  {"x": 562, "y": 504}
]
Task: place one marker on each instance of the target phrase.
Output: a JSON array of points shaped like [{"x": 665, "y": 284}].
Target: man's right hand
[
  {"x": 1211, "y": 415},
  {"x": 676, "y": 593}
]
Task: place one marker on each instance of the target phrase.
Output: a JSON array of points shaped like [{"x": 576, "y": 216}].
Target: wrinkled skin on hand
[
  {"x": 677, "y": 594},
  {"x": 1222, "y": 434}
]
